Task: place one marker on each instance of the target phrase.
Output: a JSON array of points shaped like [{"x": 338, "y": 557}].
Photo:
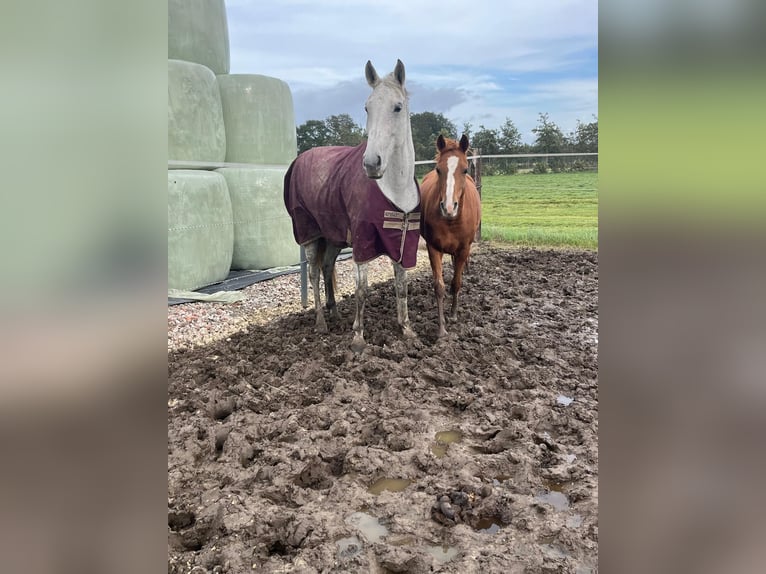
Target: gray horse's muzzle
[{"x": 372, "y": 164}]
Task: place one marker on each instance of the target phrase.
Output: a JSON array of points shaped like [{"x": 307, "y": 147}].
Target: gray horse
[{"x": 365, "y": 197}]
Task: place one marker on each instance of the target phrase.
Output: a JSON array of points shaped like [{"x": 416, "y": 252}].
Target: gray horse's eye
[
  {"x": 365, "y": 109},
  {"x": 398, "y": 108}
]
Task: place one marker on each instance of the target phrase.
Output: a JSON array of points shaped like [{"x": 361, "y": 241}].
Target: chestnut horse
[{"x": 450, "y": 211}]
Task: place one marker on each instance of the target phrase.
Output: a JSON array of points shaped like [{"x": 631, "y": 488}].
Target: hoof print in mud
[
  {"x": 394, "y": 559},
  {"x": 247, "y": 456},
  {"x": 220, "y": 438},
  {"x": 477, "y": 508},
  {"x": 222, "y": 408},
  {"x": 285, "y": 535},
  {"x": 178, "y": 520},
  {"x": 192, "y": 532},
  {"x": 314, "y": 475}
]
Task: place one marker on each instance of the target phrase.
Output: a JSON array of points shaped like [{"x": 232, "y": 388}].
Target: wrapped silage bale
[
  {"x": 263, "y": 232},
  {"x": 200, "y": 229},
  {"x": 195, "y": 117},
  {"x": 198, "y": 32},
  {"x": 259, "y": 119}
]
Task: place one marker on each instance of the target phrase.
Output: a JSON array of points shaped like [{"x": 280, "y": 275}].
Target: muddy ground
[{"x": 478, "y": 453}]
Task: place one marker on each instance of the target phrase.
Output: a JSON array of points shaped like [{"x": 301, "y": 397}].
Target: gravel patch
[{"x": 201, "y": 323}]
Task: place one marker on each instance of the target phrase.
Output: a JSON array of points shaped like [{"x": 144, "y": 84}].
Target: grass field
[{"x": 541, "y": 210}]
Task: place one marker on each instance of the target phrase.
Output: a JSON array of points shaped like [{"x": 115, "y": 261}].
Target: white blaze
[{"x": 451, "y": 167}]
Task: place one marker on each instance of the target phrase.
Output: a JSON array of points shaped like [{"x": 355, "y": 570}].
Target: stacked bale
[
  {"x": 259, "y": 117},
  {"x": 260, "y": 129},
  {"x": 196, "y": 129},
  {"x": 216, "y": 117},
  {"x": 198, "y": 32},
  {"x": 263, "y": 233},
  {"x": 200, "y": 229}
]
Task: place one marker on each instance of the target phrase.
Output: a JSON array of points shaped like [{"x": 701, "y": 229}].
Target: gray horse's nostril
[{"x": 371, "y": 163}]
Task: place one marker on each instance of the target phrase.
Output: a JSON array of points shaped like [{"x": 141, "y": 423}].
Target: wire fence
[{"x": 520, "y": 163}]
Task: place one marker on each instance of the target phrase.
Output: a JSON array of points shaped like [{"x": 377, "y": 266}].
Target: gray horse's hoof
[
  {"x": 321, "y": 326},
  {"x": 358, "y": 344},
  {"x": 408, "y": 333}
]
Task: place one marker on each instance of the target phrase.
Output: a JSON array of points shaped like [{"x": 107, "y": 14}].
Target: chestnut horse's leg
[
  {"x": 314, "y": 252},
  {"x": 328, "y": 272},
  {"x": 402, "y": 315},
  {"x": 360, "y": 277},
  {"x": 435, "y": 257},
  {"x": 460, "y": 260}
]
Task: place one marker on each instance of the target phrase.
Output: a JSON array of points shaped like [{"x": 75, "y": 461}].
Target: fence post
[
  {"x": 304, "y": 279},
  {"x": 477, "y": 179}
]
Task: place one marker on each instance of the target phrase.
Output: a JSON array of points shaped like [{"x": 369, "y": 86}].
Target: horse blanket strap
[
  {"x": 386, "y": 231},
  {"x": 328, "y": 195}
]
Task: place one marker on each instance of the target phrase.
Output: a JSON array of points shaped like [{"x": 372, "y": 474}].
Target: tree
[
  {"x": 342, "y": 130},
  {"x": 509, "y": 139},
  {"x": 426, "y": 127},
  {"x": 311, "y": 134},
  {"x": 550, "y": 139},
  {"x": 585, "y": 137},
  {"x": 467, "y": 130},
  {"x": 486, "y": 141}
]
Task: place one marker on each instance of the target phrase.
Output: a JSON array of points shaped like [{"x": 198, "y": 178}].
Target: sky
[{"x": 479, "y": 62}]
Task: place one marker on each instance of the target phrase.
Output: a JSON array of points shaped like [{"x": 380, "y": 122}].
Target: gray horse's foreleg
[
  {"x": 312, "y": 252},
  {"x": 360, "y": 278},
  {"x": 402, "y": 315},
  {"x": 328, "y": 272}
]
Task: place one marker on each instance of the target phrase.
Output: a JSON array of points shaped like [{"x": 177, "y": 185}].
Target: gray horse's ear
[
  {"x": 371, "y": 74},
  {"x": 464, "y": 143},
  {"x": 399, "y": 72}
]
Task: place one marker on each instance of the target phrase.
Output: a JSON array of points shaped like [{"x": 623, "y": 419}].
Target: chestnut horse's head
[{"x": 452, "y": 170}]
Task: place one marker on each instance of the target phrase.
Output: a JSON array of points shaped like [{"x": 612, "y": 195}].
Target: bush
[
  {"x": 540, "y": 167},
  {"x": 578, "y": 165}
]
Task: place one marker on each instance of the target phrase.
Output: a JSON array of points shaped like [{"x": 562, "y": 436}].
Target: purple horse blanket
[{"x": 328, "y": 194}]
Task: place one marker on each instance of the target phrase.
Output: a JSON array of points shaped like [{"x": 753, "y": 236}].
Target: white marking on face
[{"x": 451, "y": 167}]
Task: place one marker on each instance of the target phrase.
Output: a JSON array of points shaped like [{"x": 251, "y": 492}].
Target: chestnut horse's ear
[
  {"x": 399, "y": 72},
  {"x": 440, "y": 143},
  {"x": 464, "y": 143},
  {"x": 371, "y": 74}
]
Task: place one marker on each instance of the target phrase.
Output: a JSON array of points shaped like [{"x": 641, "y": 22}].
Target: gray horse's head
[{"x": 388, "y": 119}]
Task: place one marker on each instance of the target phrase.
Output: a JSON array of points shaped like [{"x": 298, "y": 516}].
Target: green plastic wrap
[
  {"x": 200, "y": 229},
  {"x": 198, "y": 32},
  {"x": 195, "y": 117},
  {"x": 263, "y": 233},
  {"x": 259, "y": 119}
]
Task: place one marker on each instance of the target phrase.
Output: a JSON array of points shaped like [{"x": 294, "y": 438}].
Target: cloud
[{"x": 479, "y": 62}]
